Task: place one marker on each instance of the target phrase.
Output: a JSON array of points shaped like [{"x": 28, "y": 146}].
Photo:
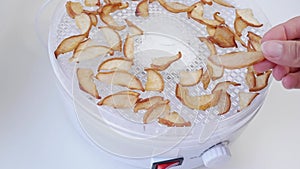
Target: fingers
[
  {"x": 289, "y": 30},
  {"x": 282, "y": 51},
  {"x": 291, "y": 81},
  {"x": 264, "y": 66},
  {"x": 286, "y": 53},
  {"x": 280, "y": 71}
]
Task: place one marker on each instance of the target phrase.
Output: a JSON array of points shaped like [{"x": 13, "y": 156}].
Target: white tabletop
[{"x": 36, "y": 132}]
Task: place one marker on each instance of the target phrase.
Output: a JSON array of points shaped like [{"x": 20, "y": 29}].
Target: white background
[{"x": 36, "y": 132}]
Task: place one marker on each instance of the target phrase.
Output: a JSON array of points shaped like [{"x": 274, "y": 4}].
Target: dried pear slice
[
  {"x": 121, "y": 78},
  {"x": 90, "y": 53},
  {"x": 237, "y": 60},
  {"x": 190, "y": 78},
  {"x": 74, "y": 8},
  {"x": 173, "y": 120},
  {"x": 261, "y": 81},
  {"x": 175, "y": 7},
  {"x": 202, "y": 102},
  {"x": 254, "y": 40},
  {"x": 116, "y": 64},
  {"x": 225, "y": 85},
  {"x": 142, "y": 9},
  {"x": 92, "y": 3},
  {"x": 155, "y": 81},
  {"x": 112, "y": 37},
  {"x": 247, "y": 16},
  {"x": 223, "y": 37},
  {"x": 120, "y": 100},
  {"x": 162, "y": 63},
  {"x": 69, "y": 44},
  {"x": 223, "y": 3},
  {"x": 245, "y": 99},
  {"x": 129, "y": 47},
  {"x": 145, "y": 104},
  {"x": 84, "y": 23},
  {"x": 86, "y": 82},
  {"x": 133, "y": 29},
  {"x": 157, "y": 110}
]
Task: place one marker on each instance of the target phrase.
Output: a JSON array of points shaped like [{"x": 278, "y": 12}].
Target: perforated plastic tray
[{"x": 165, "y": 34}]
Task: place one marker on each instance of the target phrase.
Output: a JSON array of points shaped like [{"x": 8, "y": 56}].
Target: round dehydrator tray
[{"x": 165, "y": 34}]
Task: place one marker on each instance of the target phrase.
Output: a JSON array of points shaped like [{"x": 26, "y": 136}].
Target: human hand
[{"x": 281, "y": 48}]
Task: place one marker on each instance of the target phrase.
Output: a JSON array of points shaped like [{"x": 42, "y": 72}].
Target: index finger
[{"x": 289, "y": 30}]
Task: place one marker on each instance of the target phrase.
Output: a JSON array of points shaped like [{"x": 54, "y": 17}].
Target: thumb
[{"x": 285, "y": 53}]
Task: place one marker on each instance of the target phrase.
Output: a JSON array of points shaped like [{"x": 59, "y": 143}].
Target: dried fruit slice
[
  {"x": 110, "y": 21},
  {"x": 112, "y": 1},
  {"x": 245, "y": 99},
  {"x": 215, "y": 71},
  {"x": 237, "y": 60},
  {"x": 217, "y": 17},
  {"x": 210, "y": 30},
  {"x": 156, "y": 111},
  {"x": 223, "y": 3},
  {"x": 224, "y": 86},
  {"x": 84, "y": 23},
  {"x": 142, "y": 9},
  {"x": 207, "y": 22},
  {"x": 74, "y": 8},
  {"x": 129, "y": 47},
  {"x": 94, "y": 19},
  {"x": 120, "y": 100},
  {"x": 133, "y": 29},
  {"x": 247, "y": 16},
  {"x": 92, "y": 3},
  {"x": 155, "y": 81},
  {"x": 261, "y": 82},
  {"x": 209, "y": 45},
  {"x": 173, "y": 120},
  {"x": 255, "y": 41},
  {"x": 224, "y": 103},
  {"x": 68, "y": 44},
  {"x": 249, "y": 48},
  {"x": 175, "y": 7},
  {"x": 238, "y": 38},
  {"x": 190, "y": 78},
  {"x": 121, "y": 78},
  {"x": 202, "y": 102},
  {"x": 85, "y": 44},
  {"x": 239, "y": 26},
  {"x": 112, "y": 37},
  {"x": 116, "y": 64},
  {"x": 113, "y": 7},
  {"x": 145, "y": 104},
  {"x": 93, "y": 12},
  {"x": 223, "y": 37},
  {"x": 205, "y": 79},
  {"x": 162, "y": 63},
  {"x": 197, "y": 12},
  {"x": 86, "y": 82},
  {"x": 90, "y": 53},
  {"x": 208, "y": 2},
  {"x": 250, "y": 78}
]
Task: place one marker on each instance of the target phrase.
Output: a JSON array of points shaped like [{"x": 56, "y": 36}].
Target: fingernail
[{"x": 272, "y": 49}]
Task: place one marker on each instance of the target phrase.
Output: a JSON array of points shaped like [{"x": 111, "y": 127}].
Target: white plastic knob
[{"x": 216, "y": 156}]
